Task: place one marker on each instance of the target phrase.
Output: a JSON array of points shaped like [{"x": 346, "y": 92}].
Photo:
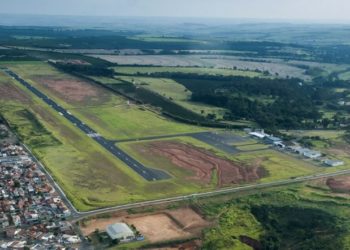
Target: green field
[
  {"x": 175, "y": 92},
  {"x": 107, "y": 113},
  {"x": 345, "y": 76},
  {"x": 125, "y": 122},
  {"x": 90, "y": 176},
  {"x": 120, "y": 70},
  {"x": 296, "y": 217}
]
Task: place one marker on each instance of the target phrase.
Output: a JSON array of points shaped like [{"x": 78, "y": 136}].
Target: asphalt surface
[
  {"x": 158, "y": 137},
  {"x": 217, "y": 140},
  {"x": 147, "y": 173}
]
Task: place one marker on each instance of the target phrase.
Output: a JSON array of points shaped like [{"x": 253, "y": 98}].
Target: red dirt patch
[
  {"x": 204, "y": 163},
  {"x": 73, "y": 90},
  {"x": 339, "y": 184}
]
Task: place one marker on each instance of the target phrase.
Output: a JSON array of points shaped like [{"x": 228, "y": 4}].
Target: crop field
[
  {"x": 175, "y": 92},
  {"x": 120, "y": 70},
  {"x": 206, "y": 61}
]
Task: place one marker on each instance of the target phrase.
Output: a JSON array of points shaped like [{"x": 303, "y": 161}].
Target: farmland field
[
  {"x": 120, "y": 70},
  {"x": 207, "y": 61}
]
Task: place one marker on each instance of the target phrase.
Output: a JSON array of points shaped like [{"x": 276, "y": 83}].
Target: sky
[{"x": 254, "y": 9}]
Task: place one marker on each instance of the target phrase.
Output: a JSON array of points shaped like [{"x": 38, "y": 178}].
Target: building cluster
[
  {"x": 32, "y": 213},
  {"x": 293, "y": 147}
]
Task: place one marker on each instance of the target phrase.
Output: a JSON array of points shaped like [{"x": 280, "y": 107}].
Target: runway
[{"x": 147, "y": 173}]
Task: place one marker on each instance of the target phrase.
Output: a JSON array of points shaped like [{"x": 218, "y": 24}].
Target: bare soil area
[
  {"x": 339, "y": 184},
  {"x": 74, "y": 90},
  {"x": 204, "y": 163},
  {"x": 188, "y": 219},
  {"x": 158, "y": 227},
  {"x": 8, "y": 91}
]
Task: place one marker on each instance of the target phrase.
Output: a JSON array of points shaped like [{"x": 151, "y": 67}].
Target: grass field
[
  {"x": 90, "y": 176},
  {"x": 120, "y": 70},
  {"x": 125, "y": 122},
  {"x": 174, "y": 91},
  {"x": 345, "y": 76},
  {"x": 104, "y": 111}
]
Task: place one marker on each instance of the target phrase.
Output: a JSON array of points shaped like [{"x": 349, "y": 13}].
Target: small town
[{"x": 32, "y": 213}]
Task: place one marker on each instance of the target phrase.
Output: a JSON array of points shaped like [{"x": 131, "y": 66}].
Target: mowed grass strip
[{"x": 131, "y": 121}]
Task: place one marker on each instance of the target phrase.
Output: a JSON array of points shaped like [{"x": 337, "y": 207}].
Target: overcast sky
[{"x": 259, "y": 9}]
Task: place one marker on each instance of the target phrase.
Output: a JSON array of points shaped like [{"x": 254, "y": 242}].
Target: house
[
  {"x": 120, "y": 231},
  {"x": 312, "y": 154},
  {"x": 333, "y": 163}
]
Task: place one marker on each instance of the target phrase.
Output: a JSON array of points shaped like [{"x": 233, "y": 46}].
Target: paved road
[
  {"x": 216, "y": 140},
  {"x": 210, "y": 194},
  {"x": 149, "y": 174},
  {"x": 157, "y": 137}
]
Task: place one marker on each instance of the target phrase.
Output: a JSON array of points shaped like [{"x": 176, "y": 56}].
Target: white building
[
  {"x": 312, "y": 154},
  {"x": 120, "y": 231},
  {"x": 259, "y": 135},
  {"x": 333, "y": 163}
]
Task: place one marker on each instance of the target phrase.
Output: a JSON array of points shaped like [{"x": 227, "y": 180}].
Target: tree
[{"x": 326, "y": 122}]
